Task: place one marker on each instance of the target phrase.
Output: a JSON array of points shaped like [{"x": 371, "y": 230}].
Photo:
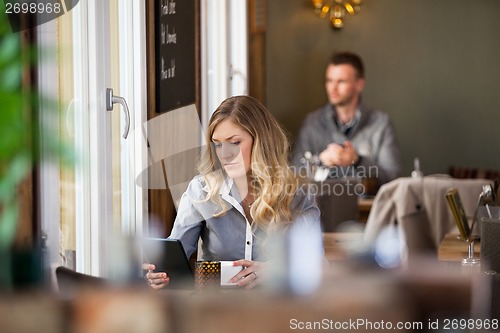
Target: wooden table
[
  {"x": 337, "y": 244},
  {"x": 364, "y": 204},
  {"x": 453, "y": 248}
]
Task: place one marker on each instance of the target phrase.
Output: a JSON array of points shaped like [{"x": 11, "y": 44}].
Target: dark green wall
[{"x": 433, "y": 65}]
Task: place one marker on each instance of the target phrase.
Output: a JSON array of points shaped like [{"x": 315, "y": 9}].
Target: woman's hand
[
  {"x": 155, "y": 280},
  {"x": 250, "y": 275}
]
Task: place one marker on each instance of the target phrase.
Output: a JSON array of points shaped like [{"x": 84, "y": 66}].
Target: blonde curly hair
[{"x": 273, "y": 182}]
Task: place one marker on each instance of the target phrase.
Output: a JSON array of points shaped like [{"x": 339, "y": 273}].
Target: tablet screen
[{"x": 168, "y": 256}]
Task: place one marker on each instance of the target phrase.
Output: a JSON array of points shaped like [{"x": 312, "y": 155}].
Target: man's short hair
[{"x": 349, "y": 58}]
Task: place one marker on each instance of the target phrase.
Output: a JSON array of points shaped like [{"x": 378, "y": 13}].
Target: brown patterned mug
[{"x": 207, "y": 275}]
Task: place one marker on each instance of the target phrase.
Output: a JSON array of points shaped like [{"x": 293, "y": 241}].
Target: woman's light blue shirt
[{"x": 230, "y": 236}]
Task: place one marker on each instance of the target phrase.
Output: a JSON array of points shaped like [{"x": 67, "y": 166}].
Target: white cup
[{"x": 227, "y": 272}]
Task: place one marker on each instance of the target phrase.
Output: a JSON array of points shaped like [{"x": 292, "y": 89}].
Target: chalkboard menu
[{"x": 175, "y": 41}]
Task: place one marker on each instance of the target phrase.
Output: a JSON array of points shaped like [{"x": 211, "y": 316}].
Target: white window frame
[
  {"x": 133, "y": 84},
  {"x": 94, "y": 180},
  {"x": 92, "y": 176},
  {"x": 92, "y": 130},
  {"x": 48, "y": 198},
  {"x": 224, "y": 52}
]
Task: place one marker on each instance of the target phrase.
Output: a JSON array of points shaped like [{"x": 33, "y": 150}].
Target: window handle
[{"x": 112, "y": 99}]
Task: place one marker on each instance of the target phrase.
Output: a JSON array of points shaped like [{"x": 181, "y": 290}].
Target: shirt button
[{"x": 248, "y": 242}]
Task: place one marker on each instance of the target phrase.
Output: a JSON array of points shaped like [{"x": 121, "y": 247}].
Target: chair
[
  {"x": 337, "y": 201},
  {"x": 418, "y": 206},
  {"x": 466, "y": 172},
  {"x": 70, "y": 282}
]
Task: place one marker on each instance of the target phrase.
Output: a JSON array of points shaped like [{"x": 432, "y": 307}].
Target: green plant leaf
[
  {"x": 8, "y": 224},
  {"x": 14, "y": 174},
  {"x": 9, "y": 47},
  {"x": 10, "y": 78},
  {"x": 19, "y": 126}
]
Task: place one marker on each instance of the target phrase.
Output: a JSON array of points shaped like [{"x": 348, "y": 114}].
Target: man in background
[{"x": 345, "y": 135}]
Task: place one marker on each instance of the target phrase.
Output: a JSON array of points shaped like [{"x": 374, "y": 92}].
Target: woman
[{"x": 244, "y": 193}]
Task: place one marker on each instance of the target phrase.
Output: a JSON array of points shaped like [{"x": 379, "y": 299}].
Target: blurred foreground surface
[{"x": 352, "y": 298}]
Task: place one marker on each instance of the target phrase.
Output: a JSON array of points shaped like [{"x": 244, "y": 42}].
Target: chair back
[
  {"x": 337, "y": 201},
  {"x": 71, "y": 282},
  {"x": 419, "y": 208}
]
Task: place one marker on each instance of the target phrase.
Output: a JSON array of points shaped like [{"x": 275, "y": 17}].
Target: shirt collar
[
  {"x": 225, "y": 188},
  {"x": 346, "y": 127}
]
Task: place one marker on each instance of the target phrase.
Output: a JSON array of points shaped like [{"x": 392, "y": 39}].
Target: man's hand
[{"x": 339, "y": 155}]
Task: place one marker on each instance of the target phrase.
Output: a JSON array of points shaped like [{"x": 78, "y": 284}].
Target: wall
[{"x": 433, "y": 65}]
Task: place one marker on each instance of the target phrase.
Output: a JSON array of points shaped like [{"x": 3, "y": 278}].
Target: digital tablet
[{"x": 168, "y": 256}]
